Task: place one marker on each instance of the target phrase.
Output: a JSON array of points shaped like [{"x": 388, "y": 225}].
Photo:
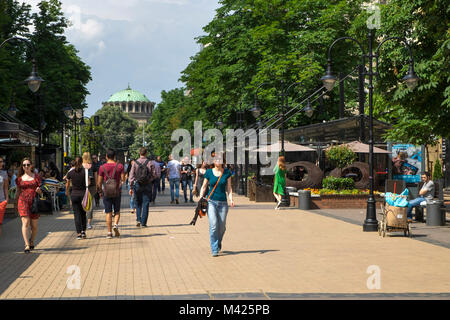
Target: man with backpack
[
  {"x": 142, "y": 174},
  {"x": 111, "y": 176}
]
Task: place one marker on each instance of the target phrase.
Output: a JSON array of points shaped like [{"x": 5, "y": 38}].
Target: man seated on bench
[{"x": 426, "y": 193}]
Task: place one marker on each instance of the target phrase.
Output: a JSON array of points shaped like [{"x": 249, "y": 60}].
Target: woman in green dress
[{"x": 279, "y": 181}]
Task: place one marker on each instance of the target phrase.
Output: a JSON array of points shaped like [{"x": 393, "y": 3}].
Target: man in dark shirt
[{"x": 187, "y": 172}]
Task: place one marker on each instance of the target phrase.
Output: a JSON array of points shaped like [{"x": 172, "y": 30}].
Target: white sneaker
[
  {"x": 278, "y": 206},
  {"x": 116, "y": 230},
  {"x": 89, "y": 226}
]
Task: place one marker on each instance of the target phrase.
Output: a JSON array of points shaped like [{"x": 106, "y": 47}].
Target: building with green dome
[{"x": 134, "y": 103}]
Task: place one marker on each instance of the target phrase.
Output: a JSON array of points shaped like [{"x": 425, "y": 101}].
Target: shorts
[
  {"x": 2, "y": 211},
  {"x": 109, "y": 203}
]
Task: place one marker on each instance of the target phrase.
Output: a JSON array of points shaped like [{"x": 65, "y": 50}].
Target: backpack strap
[
  {"x": 106, "y": 172},
  {"x": 114, "y": 172}
]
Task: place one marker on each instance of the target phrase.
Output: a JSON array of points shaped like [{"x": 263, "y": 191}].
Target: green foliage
[
  {"x": 17, "y": 155},
  {"x": 65, "y": 74},
  {"x": 334, "y": 183},
  {"x": 340, "y": 156},
  {"x": 118, "y": 128},
  {"x": 437, "y": 171}
]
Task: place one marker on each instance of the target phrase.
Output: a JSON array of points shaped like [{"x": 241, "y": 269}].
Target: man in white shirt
[
  {"x": 426, "y": 193},
  {"x": 173, "y": 176}
]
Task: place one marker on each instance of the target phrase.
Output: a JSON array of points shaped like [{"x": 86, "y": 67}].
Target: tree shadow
[{"x": 231, "y": 253}]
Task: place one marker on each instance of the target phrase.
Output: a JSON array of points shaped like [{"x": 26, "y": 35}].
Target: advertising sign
[{"x": 407, "y": 162}]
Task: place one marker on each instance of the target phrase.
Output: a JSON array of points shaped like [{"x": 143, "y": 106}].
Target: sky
[{"x": 144, "y": 43}]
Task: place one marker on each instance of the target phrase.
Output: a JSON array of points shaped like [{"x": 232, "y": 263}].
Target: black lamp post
[
  {"x": 91, "y": 130},
  {"x": 411, "y": 80},
  {"x": 33, "y": 81}
]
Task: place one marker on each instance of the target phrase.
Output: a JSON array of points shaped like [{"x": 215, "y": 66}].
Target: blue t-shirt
[{"x": 220, "y": 191}]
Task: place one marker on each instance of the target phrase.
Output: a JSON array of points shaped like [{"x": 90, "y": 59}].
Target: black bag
[
  {"x": 201, "y": 210},
  {"x": 143, "y": 174},
  {"x": 35, "y": 205}
]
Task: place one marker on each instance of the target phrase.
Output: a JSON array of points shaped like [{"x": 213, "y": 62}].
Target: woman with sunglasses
[{"x": 28, "y": 184}]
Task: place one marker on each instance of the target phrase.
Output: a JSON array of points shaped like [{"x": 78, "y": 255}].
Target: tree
[{"x": 119, "y": 127}]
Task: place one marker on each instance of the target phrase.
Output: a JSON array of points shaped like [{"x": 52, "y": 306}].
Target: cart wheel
[
  {"x": 409, "y": 231},
  {"x": 383, "y": 232},
  {"x": 380, "y": 226}
]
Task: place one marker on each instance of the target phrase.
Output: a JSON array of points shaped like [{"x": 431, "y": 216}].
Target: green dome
[{"x": 128, "y": 95}]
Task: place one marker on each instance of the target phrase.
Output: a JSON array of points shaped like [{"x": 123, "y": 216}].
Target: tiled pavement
[{"x": 290, "y": 254}]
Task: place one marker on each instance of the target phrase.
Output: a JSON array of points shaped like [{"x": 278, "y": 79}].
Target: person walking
[
  {"x": 174, "y": 175},
  {"x": 141, "y": 186},
  {"x": 113, "y": 172},
  {"x": 77, "y": 177},
  {"x": 218, "y": 179},
  {"x": 279, "y": 183},
  {"x": 4, "y": 191},
  {"x": 156, "y": 180},
  {"x": 95, "y": 168},
  {"x": 28, "y": 184},
  {"x": 132, "y": 200},
  {"x": 163, "y": 168},
  {"x": 199, "y": 178},
  {"x": 187, "y": 172},
  {"x": 93, "y": 176}
]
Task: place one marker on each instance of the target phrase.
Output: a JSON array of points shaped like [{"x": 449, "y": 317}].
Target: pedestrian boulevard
[{"x": 267, "y": 254}]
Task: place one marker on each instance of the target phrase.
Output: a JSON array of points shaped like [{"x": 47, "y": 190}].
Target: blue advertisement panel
[{"x": 406, "y": 162}]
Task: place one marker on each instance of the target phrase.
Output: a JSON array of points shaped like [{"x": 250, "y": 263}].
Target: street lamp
[
  {"x": 411, "y": 80},
  {"x": 91, "y": 131}
]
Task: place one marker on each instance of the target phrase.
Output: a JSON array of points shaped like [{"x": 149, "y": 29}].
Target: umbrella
[
  {"x": 359, "y": 147},
  {"x": 288, "y": 147}
]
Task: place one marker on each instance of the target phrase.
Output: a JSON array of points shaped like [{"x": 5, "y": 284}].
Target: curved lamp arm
[
  {"x": 411, "y": 79},
  {"x": 346, "y": 38}
]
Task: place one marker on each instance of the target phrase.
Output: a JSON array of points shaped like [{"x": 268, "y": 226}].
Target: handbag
[
  {"x": 87, "y": 199},
  {"x": 35, "y": 204}
]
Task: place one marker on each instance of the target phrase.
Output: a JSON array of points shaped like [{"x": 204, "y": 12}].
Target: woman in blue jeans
[{"x": 219, "y": 182}]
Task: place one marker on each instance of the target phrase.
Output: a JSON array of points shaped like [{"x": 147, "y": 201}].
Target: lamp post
[
  {"x": 74, "y": 115},
  {"x": 411, "y": 80},
  {"x": 91, "y": 131},
  {"x": 33, "y": 81}
]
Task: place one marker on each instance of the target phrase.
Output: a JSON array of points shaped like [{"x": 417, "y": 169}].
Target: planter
[
  {"x": 264, "y": 193},
  {"x": 251, "y": 189},
  {"x": 337, "y": 201}
]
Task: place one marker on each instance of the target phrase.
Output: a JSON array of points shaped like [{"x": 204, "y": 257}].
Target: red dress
[{"x": 27, "y": 194}]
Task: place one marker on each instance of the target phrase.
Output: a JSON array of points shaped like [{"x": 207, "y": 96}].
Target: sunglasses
[{"x": 27, "y": 164}]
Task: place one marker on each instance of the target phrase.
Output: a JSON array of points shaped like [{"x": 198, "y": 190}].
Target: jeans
[
  {"x": 132, "y": 205},
  {"x": 217, "y": 216},
  {"x": 414, "y": 203},
  {"x": 162, "y": 187},
  {"x": 185, "y": 184},
  {"x": 174, "y": 184},
  {"x": 79, "y": 213},
  {"x": 142, "y": 201},
  {"x": 155, "y": 185}
]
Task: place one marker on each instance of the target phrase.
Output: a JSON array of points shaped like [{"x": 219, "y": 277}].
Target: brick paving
[{"x": 289, "y": 254}]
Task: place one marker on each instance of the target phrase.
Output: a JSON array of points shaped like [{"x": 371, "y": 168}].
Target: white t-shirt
[
  {"x": 174, "y": 169},
  {"x": 3, "y": 178}
]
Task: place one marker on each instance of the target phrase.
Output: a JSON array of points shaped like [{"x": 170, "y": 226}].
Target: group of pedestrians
[{"x": 211, "y": 183}]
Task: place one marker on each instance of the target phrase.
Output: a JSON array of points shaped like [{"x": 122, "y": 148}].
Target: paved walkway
[{"x": 267, "y": 255}]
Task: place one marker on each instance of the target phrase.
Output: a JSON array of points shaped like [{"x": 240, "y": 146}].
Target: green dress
[{"x": 280, "y": 182}]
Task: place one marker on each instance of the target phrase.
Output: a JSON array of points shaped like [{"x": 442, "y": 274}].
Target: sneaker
[
  {"x": 83, "y": 235},
  {"x": 278, "y": 206},
  {"x": 191, "y": 201},
  {"x": 144, "y": 226},
  {"x": 215, "y": 254},
  {"x": 177, "y": 201},
  {"x": 79, "y": 237},
  {"x": 89, "y": 226},
  {"x": 172, "y": 202},
  {"x": 109, "y": 236},
  {"x": 138, "y": 224},
  {"x": 116, "y": 230}
]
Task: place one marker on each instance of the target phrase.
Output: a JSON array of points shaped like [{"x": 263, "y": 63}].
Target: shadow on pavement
[{"x": 226, "y": 253}]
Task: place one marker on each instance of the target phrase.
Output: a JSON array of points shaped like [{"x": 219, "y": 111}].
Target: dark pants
[
  {"x": 79, "y": 213},
  {"x": 163, "y": 182},
  {"x": 142, "y": 196},
  {"x": 155, "y": 185},
  {"x": 187, "y": 183}
]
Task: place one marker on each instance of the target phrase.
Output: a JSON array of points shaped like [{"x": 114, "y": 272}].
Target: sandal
[
  {"x": 31, "y": 245},
  {"x": 27, "y": 249}
]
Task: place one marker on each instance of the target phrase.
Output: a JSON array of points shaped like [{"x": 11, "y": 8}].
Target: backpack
[
  {"x": 144, "y": 175},
  {"x": 110, "y": 189}
]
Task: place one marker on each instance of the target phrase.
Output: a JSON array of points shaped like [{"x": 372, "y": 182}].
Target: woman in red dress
[{"x": 27, "y": 185}]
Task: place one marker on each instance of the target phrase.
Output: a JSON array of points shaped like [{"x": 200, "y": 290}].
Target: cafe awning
[
  {"x": 359, "y": 147},
  {"x": 288, "y": 147}
]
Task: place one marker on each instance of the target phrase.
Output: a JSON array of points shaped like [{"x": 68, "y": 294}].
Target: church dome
[{"x": 128, "y": 95}]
